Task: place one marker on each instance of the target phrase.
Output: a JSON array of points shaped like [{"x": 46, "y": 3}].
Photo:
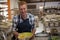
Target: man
[{"x": 23, "y": 22}]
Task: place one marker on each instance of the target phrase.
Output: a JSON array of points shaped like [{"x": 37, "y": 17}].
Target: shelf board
[{"x": 5, "y": 3}]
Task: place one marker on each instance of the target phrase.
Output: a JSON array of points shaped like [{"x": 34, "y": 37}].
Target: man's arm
[
  {"x": 14, "y": 27},
  {"x": 33, "y": 27},
  {"x": 33, "y": 32}
]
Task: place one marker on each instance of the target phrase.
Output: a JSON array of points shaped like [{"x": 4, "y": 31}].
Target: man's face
[{"x": 23, "y": 9}]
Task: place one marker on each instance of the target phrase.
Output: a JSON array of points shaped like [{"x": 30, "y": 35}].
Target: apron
[{"x": 25, "y": 26}]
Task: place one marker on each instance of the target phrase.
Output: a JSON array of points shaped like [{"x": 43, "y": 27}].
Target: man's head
[{"x": 22, "y": 7}]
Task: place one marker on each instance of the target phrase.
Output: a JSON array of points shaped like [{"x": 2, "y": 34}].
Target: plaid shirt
[{"x": 29, "y": 16}]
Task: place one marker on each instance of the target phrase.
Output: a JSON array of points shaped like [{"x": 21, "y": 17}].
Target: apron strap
[{"x": 18, "y": 18}]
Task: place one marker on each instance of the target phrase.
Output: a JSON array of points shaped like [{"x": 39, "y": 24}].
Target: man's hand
[
  {"x": 33, "y": 32},
  {"x": 16, "y": 34}
]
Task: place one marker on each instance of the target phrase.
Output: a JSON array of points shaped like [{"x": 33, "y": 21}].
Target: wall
[
  {"x": 47, "y": 4},
  {"x": 13, "y": 4}
]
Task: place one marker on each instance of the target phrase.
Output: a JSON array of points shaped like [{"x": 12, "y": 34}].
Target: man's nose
[{"x": 22, "y": 10}]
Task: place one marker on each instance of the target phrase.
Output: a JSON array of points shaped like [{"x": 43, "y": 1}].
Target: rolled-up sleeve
[
  {"x": 14, "y": 23},
  {"x": 33, "y": 22}
]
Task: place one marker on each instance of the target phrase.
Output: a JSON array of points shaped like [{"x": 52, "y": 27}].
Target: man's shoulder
[
  {"x": 30, "y": 15},
  {"x": 16, "y": 16}
]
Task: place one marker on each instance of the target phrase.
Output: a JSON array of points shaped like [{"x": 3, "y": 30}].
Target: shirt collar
[{"x": 27, "y": 15}]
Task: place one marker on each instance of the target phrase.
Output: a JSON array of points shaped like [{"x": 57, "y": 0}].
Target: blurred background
[{"x": 47, "y": 14}]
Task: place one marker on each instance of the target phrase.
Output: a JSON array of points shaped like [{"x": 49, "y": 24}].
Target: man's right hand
[{"x": 16, "y": 34}]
